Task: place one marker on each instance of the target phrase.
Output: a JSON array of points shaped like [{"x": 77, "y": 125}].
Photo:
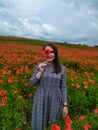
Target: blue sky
[{"x": 74, "y": 21}]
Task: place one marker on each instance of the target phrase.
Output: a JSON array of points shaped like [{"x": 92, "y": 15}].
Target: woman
[{"x": 50, "y": 99}]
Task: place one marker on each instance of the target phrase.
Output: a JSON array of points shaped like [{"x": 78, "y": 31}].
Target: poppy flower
[
  {"x": 15, "y": 92},
  {"x": 2, "y": 92},
  {"x": 96, "y": 111},
  {"x": 20, "y": 96},
  {"x": 10, "y": 80},
  {"x": 86, "y": 126},
  {"x": 2, "y": 104},
  {"x": 1, "y": 81},
  {"x": 30, "y": 95},
  {"x": 68, "y": 123},
  {"x": 46, "y": 52},
  {"x": 55, "y": 127},
  {"x": 81, "y": 118},
  {"x": 4, "y": 99}
]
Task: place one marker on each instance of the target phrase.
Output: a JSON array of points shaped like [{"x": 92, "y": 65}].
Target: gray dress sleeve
[
  {"x": 33, "y": 79},
  {"x": 63, "y": 85}
]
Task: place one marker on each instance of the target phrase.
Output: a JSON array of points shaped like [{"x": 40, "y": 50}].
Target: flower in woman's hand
[{"x": 46, "y": 52}]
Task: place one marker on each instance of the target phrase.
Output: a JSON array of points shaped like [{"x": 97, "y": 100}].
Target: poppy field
[{"x": 18, "y": 58}]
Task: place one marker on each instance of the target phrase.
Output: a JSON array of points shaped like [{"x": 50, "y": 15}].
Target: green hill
[{"x": 6, "y": 39}]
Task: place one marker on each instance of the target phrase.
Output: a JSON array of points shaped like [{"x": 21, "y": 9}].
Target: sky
[{"x": 74, "y": 21}]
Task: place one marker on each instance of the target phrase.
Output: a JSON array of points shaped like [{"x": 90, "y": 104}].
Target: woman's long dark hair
[{"x": 56, "y": 63}]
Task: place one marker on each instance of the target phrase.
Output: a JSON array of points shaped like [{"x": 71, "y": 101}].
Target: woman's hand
[
  {"x": 65, "y": 111},
  {"x": 42, "y": 66}
]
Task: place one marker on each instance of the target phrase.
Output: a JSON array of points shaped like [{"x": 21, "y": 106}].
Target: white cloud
[
  {"x": 59, "y": 20},
  {"x": 49, "y": 29}
]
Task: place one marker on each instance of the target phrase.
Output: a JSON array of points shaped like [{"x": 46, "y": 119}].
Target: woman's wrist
[
  {"x": 40, "y": 70},
  {"x": 65, "y": 105},
  {"x": 38, "y": 75}
]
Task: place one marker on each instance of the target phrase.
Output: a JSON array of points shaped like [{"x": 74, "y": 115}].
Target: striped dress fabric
[{"x": 49, "y": 96}]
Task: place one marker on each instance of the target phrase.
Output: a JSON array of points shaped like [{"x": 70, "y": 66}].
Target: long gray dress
[{"x": 49, "y": 97}]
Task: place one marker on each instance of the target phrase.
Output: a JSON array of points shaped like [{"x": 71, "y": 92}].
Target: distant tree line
[
  {"x": 79, "y": 44},
  {"x": 96, "y": 46}
]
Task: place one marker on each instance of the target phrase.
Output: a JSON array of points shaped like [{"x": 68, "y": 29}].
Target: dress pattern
[{"x": 49, "y": 96}]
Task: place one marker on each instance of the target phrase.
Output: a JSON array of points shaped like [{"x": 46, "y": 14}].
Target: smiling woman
[{"x": 50, "y": 99}]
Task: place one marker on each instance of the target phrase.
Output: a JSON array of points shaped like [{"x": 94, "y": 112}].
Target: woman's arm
[
  {"x": 63, "y": 86},
  {"x": 64, "y": 92},
  {"x": 34, "y": 79},
  {"x": 37, "y": 73}
]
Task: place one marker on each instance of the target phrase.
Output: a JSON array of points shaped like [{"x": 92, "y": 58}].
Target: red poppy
[
  {"x": 4, "y": 99},
  {"x": 96, "y": 111},
  {"x": 30, "y": 95},
  {"x": 68, "y": 128},
  {"x": 2, "y": 92},
  {"x": 81, "y": 118},
  {"x": 10, "y": 80},
  {"x": 86, "y": 126},
  {"x": 15, "y": 92},
  {"x": 55, "y": 127},
  {"x": 68, "y": 123},
  {"x": 2, "y": 104},
  {"x": 46, "y": 52},
  {"x": 1, "y": 81},
  {"x": 18, "y": 72},
  {"x": 20, "y": 96}
]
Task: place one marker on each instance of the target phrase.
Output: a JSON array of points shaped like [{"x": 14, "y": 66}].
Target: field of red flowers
[{"x": 17, "y": 62}]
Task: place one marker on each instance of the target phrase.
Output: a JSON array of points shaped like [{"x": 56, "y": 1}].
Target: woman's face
[{"x": 51, "y": 56}]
